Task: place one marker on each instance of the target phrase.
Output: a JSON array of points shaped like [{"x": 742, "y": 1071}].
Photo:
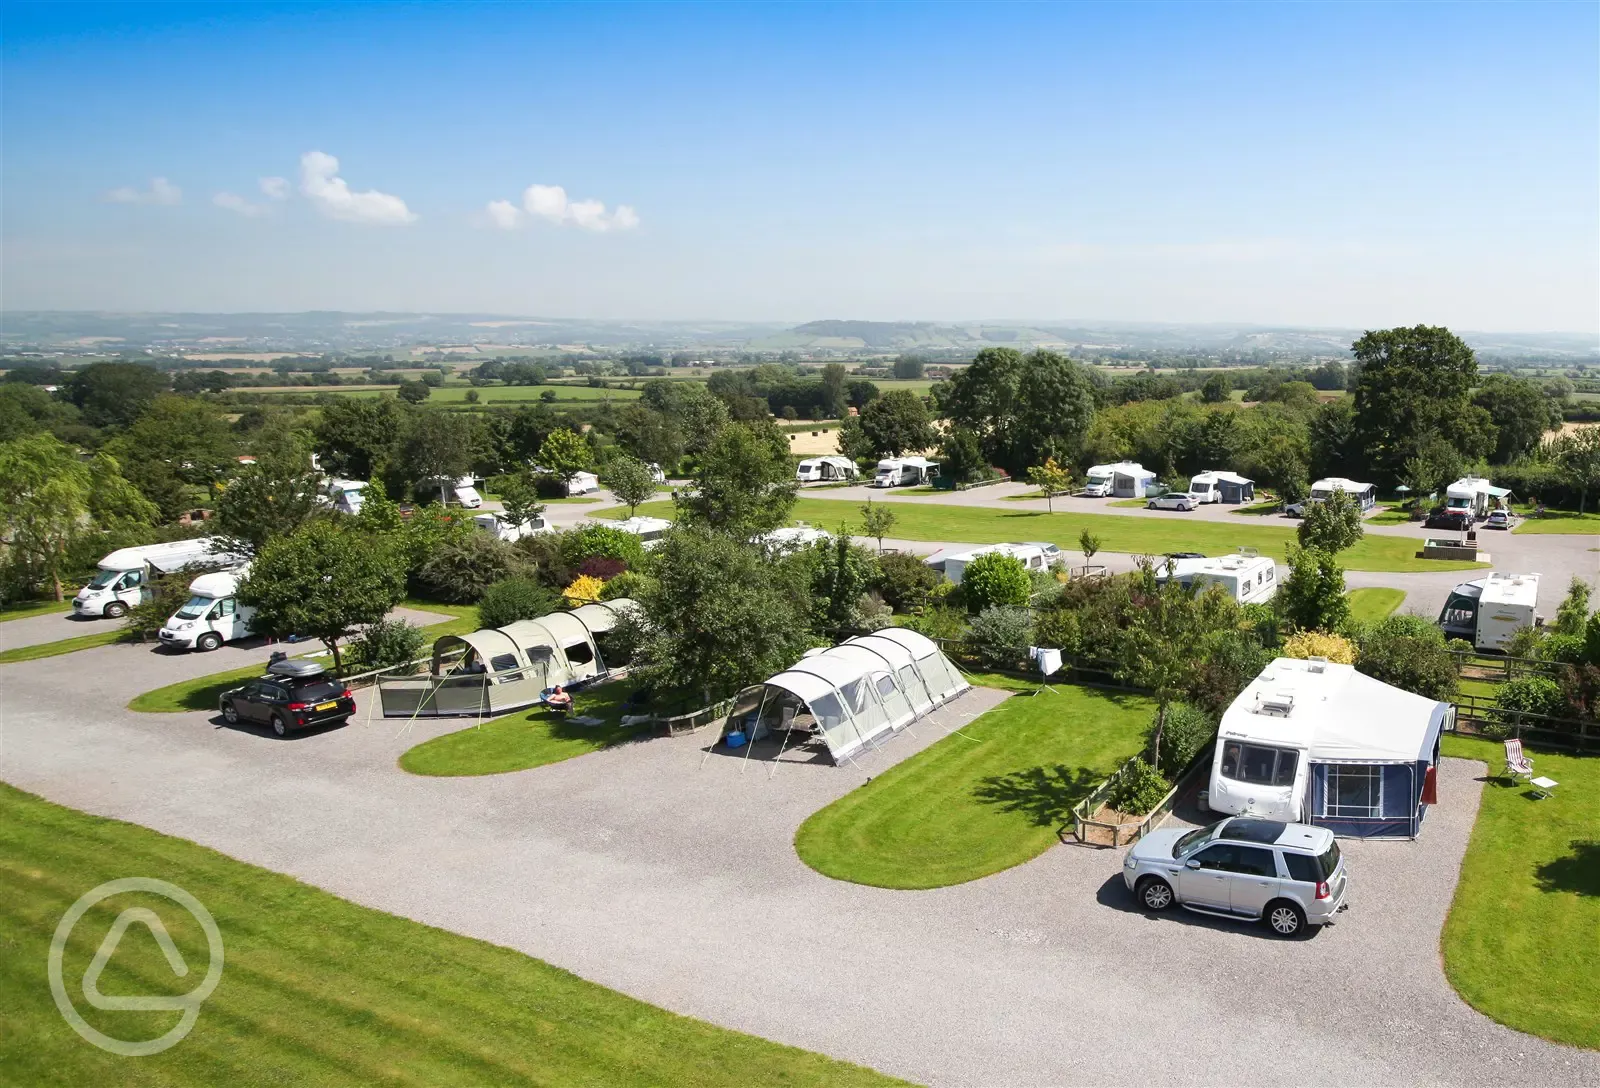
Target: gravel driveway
[{"x": 673, "y": 878}]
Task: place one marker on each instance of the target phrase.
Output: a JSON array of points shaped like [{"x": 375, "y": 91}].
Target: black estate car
[{"x": 292, "y": 695}]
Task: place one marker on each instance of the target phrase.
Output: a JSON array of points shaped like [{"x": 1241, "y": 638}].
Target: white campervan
[
  {"x": 1031, "y": 556},
  {"x": 902, "y": 471},
  {"x": 346, "y": 495},
  {"x": 1364, "y": 495},
  {"x": 1488, "y": 611},
  {"x": 648, "y": 530},
  {"x": 125, "y": 574},
  {"x": 211, "y": 616},
  {"x": 1248, "y": 578},
  {"x": 502, "y": 529},
  {"x": 1473, "y": 495}
]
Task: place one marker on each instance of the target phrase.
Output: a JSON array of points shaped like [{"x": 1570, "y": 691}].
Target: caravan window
[
  {"x": 1355, "y": 791},
  {"x": 1258, "y": 764}
]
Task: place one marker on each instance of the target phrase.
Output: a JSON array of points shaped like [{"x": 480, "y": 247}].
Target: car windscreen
[
  {"x": 315, "y": 691},
  {"x": 1194, "y": 840},
  {"x": 195, "y": 607},
  {"x": 104, "y": 578}
]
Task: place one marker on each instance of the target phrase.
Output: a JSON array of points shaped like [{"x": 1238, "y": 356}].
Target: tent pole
[
  {"x": 750, "y": 737},
  {"x": 779, "y": 756}
]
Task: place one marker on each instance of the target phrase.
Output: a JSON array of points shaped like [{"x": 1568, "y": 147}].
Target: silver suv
[{"x": 1289, "y": 875}]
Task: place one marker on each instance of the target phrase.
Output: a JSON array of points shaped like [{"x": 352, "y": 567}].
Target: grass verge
[
  {"x": 527, "y": 738},
  {"x": 29, "y": 609},
  {"x": 62, "y": 646},
  {"x": 1117, "y": 532},
  {"x": 1565, "y": 522},
  {"x": 982, "y": 800},
  {"x": 202, "y": 692},
  {"x": 1374, "y": 603},
  {"x": 1521, "y": 941},
  {"x": 1258, "y": 509},
  {"x": 317, "y": 990}
]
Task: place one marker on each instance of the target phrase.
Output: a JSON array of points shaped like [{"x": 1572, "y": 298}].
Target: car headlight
[
  {"x": 184, "y": 626},
  {"x": 1130, "y": 862}
]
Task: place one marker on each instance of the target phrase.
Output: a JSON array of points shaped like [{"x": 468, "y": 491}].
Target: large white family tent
[
  {"x": 501, "y": 669},
  {"x": 853, "y": 695}
]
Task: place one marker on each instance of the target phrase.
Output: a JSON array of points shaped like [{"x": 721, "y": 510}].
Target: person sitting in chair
[{"x": 558, "y": 700}]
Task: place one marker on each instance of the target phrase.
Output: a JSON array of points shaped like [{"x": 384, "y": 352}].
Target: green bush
[
  {"x": 590, "y": 541},
  {"x": 1058, "y": 627},
  {"x": 1189, "y": 729},
  {"x": 905, "y": 581},
  {"x": 998, "y": 636},
  {"x": 627, "y": 584},
  {"x": 939, "y": 622},
  {"x": 1530, "y": 695},
  {"x": 1410, "y": 653},
  {"x": 460, "y": 571},
  {"x": 1564, "y": 649},
  {"x": 995, "y": 579},
  {"x": 514, "y": 599},
  {"x": 1138, "y": 789},
  {"x": 386, "y": 644}
]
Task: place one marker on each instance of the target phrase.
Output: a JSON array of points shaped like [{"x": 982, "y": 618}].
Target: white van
[
  {"x": 211, "y": 616},
  {"x": 125, "y": 574},
  {"x": 1247, "y": 577},
  {"x": 1489, "y": 611}
]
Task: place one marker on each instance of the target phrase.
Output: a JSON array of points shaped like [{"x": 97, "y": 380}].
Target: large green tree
[
  {"x": 630, "y": 480},
  {"x": 1312, "y": 597},
  {"x": 323, "y": 580},
  {"x": 718, "y": 615},
  {"x": 1578, "y": 455},
  {"x": 1521, "y": 412},
  {"x": 1162, "y": 647},
  {"x": 897, "y": 423},
  {"x": 744, "y": 485},
  {"x": 1331, "y": 525},
  {"x": 177, "y": 451},
  {"x": 691, "y": 407},
  {"x": 356, "y": 436},
  {"x": 565, "y": 454},
  {"x": 1022, "y": 408},
  {"x": 1412, "y": 382},
  {"x": 270, "y": 498},
  {"x": 114, "y": 394},
  {"x": 437, "y": 448}
]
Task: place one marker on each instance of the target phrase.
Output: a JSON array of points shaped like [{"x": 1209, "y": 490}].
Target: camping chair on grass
[{"x": 1518, "y": 765}]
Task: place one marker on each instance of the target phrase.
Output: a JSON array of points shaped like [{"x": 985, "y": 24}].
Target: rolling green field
[
  {"x": 457, "y": 394},
  {"x": 1117, "y": 532},
  {"x": 527, "y": 738},
  {"x": 986, "y": 798},
  {"x": 1373, "y": 603},
  {"x": 317, "y": 990},
  {"x": 1523, "y": 937}
]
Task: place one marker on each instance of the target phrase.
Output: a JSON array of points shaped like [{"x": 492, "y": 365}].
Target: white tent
[{"x": 854, "y": 694}]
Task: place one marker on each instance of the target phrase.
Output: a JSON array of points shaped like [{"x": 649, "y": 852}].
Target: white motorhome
[
  {"x": 1474, "y": 495},
  {"x": 1365, "y": 495},
  {"x": 125, "y": 574},
  {"x": 1125, "y": 479},
  {"x": 346, "y": 495},
  {"x": 902, "y": 471},
  {"x": 657, "y": 474},
  {"x": 1248, "y": 578},
  {"x": 1488, "y": 611},
  {"x": 502, "y": 529},
  {"x": 211, "y": 616},
  {"x": 649, "y": 530},
  {"x": 792, "y": 538},
  {"x": 466, "y": 492},
  {"x": 826, "y": 469},
  {"x": 1031, "y": 556}
]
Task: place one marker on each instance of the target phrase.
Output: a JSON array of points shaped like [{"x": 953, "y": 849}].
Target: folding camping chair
[{"x": 1517, "y": 764}]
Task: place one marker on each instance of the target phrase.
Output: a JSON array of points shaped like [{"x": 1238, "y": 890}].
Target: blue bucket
[{"x": 736, "y": 739}]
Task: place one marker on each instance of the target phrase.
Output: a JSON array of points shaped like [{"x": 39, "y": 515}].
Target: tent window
[
  {"x": 885, "y": 685},
  {"x": 855, "y": 694},
  {"x": 1355, "y": 791},
  {"x": 908, "y": 679},
  {"x": 579, "y": 654},
  {"x": 827, "y": 711}
]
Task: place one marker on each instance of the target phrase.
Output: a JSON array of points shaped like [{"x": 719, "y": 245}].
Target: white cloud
[
  {"x": 236, "y": 203},
  {"x": 320, "y": 182},
  {"x": 549, "y": 202},
  {"x": 161, "y": 191},
  {"x": 504, "y": 214},
  {"x": 275, "y": 188}
]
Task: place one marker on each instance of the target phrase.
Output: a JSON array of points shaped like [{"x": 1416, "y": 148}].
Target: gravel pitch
[{"x": 672, "y": 877}]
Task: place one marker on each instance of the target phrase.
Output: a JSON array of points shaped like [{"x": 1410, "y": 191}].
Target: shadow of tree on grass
[
  {"x": 1044, "y": 794},
  {"x": 1578, "y": 872}
]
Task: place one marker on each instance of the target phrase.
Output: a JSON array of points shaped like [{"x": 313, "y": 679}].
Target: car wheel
[
  {"x": 1154, "y": 894},
  {"x": 1149, "y": 506},
  {"x": 230, "y": 713},
  {"x": 116, "y": 610},
  {"x": 208, "y": 642},
  {"x": 1285, "y": 918},
  {"x": 280, "y": 725}
]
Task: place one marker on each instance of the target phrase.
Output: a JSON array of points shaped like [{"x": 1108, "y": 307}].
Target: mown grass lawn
[
  {"x": 62, "y": 646},
  {"x": 316, "y": 990},
  {"x": 983, "y": 799},
  {"x": 1258, "y": 509},
  {"x": 1117, "y": 532},
  {"x": 29, "y": 609},
  {"x": 1522, "y": 943},
  {"x": 1557, "y": 521},
  {"x": 1373, "y": 603},
  {"x": 202, "y": 692},
  {"x": 527, "y": 738}
]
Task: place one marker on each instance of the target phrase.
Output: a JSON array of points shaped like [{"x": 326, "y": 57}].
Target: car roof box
[{"x": 296, "y": 669}]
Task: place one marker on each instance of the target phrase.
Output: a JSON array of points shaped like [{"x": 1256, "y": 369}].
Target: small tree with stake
[
  {"x": 324, "y": 581},
  {"x": 877, "y": 521},
  {"x": 1052, "y": 479},
  {"x": 1089, "y": 544}
]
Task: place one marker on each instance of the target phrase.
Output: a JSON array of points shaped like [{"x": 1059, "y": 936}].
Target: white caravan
[
  {"x": 211, "y": 616},
  {"x": 901, "y": 471},
  {"x": 1125, "y": 479},
  {"x": 792, "y": 539},
  {"x": 1365, "y": 495},
  {"x": 502, "y": 528},
  {"x": 1248, "y": 578},
  {"x": 1472, "y": 494},
  {"x": 466, "y": 492},
  {"x": 648, "y": 530},
  {"x": 125, "y": 574},
  {"x": 826, "y": 469},
  {"x": 1031, "y": 556},
  {"x": 346, "y": 495},
  {"x": 1488, "y": 611}
]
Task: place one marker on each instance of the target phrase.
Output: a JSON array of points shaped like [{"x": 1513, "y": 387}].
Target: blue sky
[{"x": 1347, "y": 164}]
